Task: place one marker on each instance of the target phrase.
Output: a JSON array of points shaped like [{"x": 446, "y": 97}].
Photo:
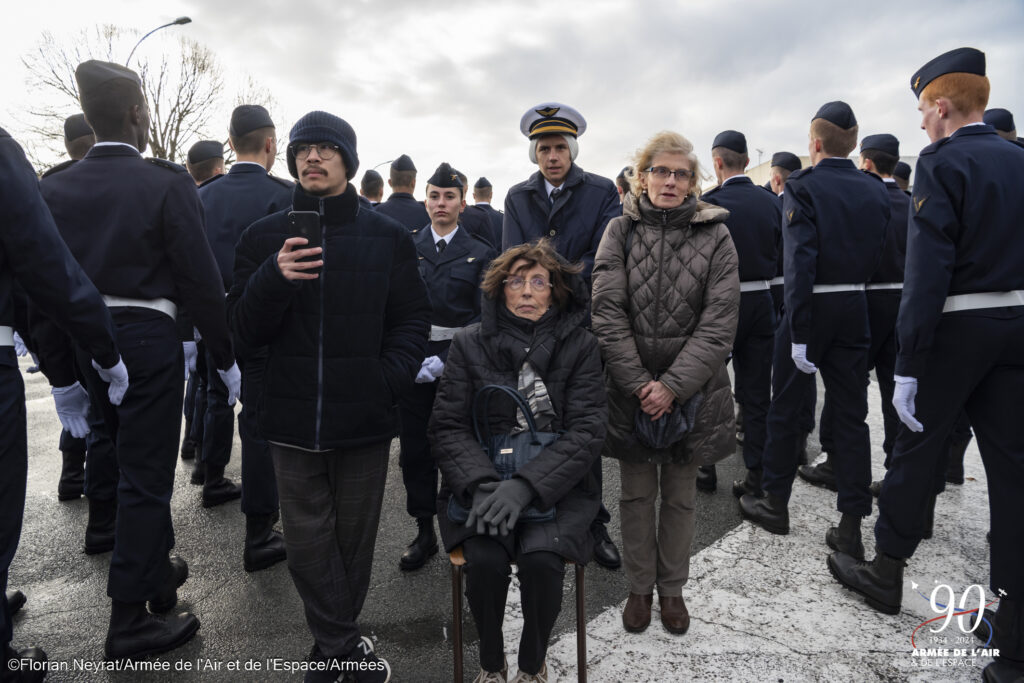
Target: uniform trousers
[
  {"x": 976, "y": 363},
  {"x": 805, "y": 417},
  {"x": 14, "y": 465},
  {"x": 752, "y": 366},
  {"x": 144, "y": 430},
  {"x": 219, "y": 420},
  {"x": 419, "y": 469},
  {"x": 330, "y": 510},
  {"x": 488, "y": 571},
  {"x": 259, "y": 485},
  {"x": 838, "y": 344},
  {"x": 197, "y": 385},
  {"x": 656, "y": 539},
  {"x": 69, "y": 444}
]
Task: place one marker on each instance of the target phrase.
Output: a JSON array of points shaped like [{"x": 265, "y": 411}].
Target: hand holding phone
[{"x": 300, "y": 256}]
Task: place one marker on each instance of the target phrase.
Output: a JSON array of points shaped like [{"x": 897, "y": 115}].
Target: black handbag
[
  {"x": 671, "y": 427},
  {"x": 508, "y": 452}
]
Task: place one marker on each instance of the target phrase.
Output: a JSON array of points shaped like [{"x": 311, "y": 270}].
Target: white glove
[
  {"x": 72, "y": 408},
  {"x": 903, "y": 399},
  {"x": 430, "y": 370},
  {"x": 191, "y": 354},
  {"x": 232, "y": 378},
  {"x": 19, "y": 346},
  {"x": 799, "y": 354},
  {"x": 117, "y": 378}
]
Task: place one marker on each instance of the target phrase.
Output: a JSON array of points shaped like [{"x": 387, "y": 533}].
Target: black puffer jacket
[
  {"x": 343, "y": 346},
  {"x": 567, "y": 358}
]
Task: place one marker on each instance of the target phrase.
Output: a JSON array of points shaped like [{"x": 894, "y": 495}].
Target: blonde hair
[
  {"x": 835, "y": 141},
  {"x": 665, "y": 142},
  {"x": 966, "y": 92}
]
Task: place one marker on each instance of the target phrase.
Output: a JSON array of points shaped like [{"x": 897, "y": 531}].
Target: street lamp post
[{"x": 177, "y": 22}]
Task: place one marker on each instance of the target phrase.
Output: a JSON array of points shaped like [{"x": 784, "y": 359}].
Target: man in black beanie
[{"x": 345, "y": 320}]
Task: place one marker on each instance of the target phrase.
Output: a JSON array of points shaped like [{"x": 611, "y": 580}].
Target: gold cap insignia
[
  {"x": 550, "y": 111},
  {"x": 917, "y": 82}
]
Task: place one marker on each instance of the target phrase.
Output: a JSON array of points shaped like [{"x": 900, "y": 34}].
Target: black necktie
[
  {"x": 441, "y": 244},
  {"x": 554, "y": 194}
]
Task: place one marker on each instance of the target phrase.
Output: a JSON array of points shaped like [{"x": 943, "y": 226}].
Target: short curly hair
[
  {"x": 665, "y": 142},
  {"x": 536, "y": 253}
]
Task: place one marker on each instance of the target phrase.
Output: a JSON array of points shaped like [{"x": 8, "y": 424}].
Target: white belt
[
  {"x": 830, "y": 289},
  {"x": 970, "y": 302},
  {"x": 165, "y": 306},
  {"x": 884, "y": 285},
  {"x": 6, "y": 336},
  {"x": 755, "y": 286},
  {"x": 777, "y": 281},
  {"x": 438, "y": 333}
]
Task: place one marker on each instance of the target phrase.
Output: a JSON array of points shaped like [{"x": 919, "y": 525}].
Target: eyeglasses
[
  {"x": 324, "y": 150},
  {"x": 662, "y": 173},
  {"x": 516, "y": 283}
]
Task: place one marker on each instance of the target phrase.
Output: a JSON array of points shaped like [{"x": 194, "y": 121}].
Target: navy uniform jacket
[
  {"x": 895, "y": 253},
  {"x": 33, "y": 254},
  {"x": 483, "y": 220},
  {"x": 964, "y": 234},
  {"x": 833, "y": 232},
  {"x": 233, "y": 202},
  {"x": 136, "y": 227},
  {"x": 453, "y": 280},
  {"x": 754, "y": 223},
  {"x": 575, "y": 222},
  {"x": 404, "y": 208}
]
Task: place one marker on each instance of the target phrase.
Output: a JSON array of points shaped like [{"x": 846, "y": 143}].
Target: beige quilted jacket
[{"x": 669, "y": 308}]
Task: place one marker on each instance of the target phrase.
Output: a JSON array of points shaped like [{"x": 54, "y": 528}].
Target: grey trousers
[
  {"x": 330, "y": 510},
  {"x": 656, "y": 539}
]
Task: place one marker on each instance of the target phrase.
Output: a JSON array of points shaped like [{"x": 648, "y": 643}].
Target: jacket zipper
[
  {"x": 320, "y": 334},
  {"x": 657, "y": 298}
]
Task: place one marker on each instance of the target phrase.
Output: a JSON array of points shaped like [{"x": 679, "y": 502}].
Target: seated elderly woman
[
  {"x": 666, "y": 305},
  {"x": 531, "y": 338}
]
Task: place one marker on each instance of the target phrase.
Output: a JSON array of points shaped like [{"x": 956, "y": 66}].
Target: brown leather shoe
[
  {"x": 674, "y": 616},
  {"x": 637, "y": 614}
]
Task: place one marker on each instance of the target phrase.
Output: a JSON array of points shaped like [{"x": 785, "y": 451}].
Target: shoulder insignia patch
[
  {"x": 918, "y": 203},
  {"x": 471, "y": 259},
  {"x": 789, "y": 216}
]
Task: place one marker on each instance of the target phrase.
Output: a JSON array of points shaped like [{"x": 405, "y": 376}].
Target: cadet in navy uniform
[
  {"x": 571, "y": 208},
  {"x": 1002, "y": 121},
  {"x": 33, "y": 254},
  {"x": 833, "y": 234},
  {"x": 136, "y": 227},
  {"x": 754, "y": 222},
  {"x": 205, "y": 160},
  {"x": 487, "y": 221},
  {"x": 902, "y": 176},
  {"x": 401, "y": 205},
  {"x": 960, "y": 332},
  {"x": 232, "y": 202},
  {"x": 452, "y": 262}
]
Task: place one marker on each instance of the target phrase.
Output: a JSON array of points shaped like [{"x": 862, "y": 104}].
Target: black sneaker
[{"x": 366, "y": 666}]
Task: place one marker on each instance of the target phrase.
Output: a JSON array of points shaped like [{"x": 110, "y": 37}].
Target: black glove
[
  {"x": 482, "y": 493},
  {"x": 503, "y": 507}
]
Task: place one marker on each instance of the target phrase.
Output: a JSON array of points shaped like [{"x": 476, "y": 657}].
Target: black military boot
[
  {"x": 846, "y": 537},
  {"x": 188, "y": 444},
  {"x": 707, "y": 478},
  {"x": 134, "y": 633},
  {"x": 929, "y": 518},
  {"x": 15, "y": 601},
  {"x": 1008, "y": 637},
  {"x": 821, "y": 474},
  {"x": 99, "y": 531},
  {"x": 264, "y": 547},
  {"x": 751, "y": 485},
  {"x": 955, "y": 470},
  {"x": 218, "y": 489},
  {"x": 72, "y": 475},
  {"x": 983, "y": 631},
  {"x": 768, "y": 512},
  {"x": 879, "y": 581},
  {"x": 198, "y": 473},
  {"x": 23, "y": 666},
  {"x": 167, "y": 598},
  {"x": 605, "y": 552},
  {"x": 422, "y": 547},
  {"x": 875, "y": 488}
]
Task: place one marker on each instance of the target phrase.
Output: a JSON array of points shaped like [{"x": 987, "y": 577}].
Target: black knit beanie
[{"x": 319, "y": 126}]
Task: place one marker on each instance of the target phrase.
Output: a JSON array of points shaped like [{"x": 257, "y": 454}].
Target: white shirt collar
[
  {"x": 447, "y": 238},
  {"x": 483, "y": 203},
  {"x": 254, "y": 163},
  {"x": 732, "y": 177},
  {"x": 114, "y": 144},
  {"x": 891, "y": 181}
]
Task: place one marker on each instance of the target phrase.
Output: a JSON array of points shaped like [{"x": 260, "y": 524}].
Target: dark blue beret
[
  {"x": 731, "y": 139},
  {"x": 75, "y": 127},
  {"x": 92, "y": 74},
  {"x": 205, "y": 149},
  {"x": 837, "y": 112},
  {"x": 445, "y": 176},
  {"x": 403, "y": 163},
  {"x": 248, "y": 117},
  {"x": 961, "y": 60},
  {"x": 883, "y": 142},
  {"x": 787, "y": 160},
  {"x": 1000, "y": 119},
  {"x": 482, "y": 183},
  {"x": 902, "y": 170}
]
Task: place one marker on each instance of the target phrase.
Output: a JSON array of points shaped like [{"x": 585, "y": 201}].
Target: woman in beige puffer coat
[{"x": 665, "y": 315}]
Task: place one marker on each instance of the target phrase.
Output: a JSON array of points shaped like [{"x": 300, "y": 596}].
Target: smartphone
[{"x": 306, "y": 224}]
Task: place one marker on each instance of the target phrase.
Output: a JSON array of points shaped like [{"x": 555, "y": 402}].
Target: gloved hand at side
[
  {"x": 232, "y": 378},
  {"x": 903, "y": 399},
  {"x": 799, "y": 354},
  {"x": 72, "y": 408},
  {"x": 117, "y": 377}
]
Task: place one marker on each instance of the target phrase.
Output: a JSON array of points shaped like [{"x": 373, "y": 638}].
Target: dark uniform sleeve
[
  {"x": 931, "y": 254},
  {"x": 610, "y": 208},
  {"x": 44, "y": 267},
  {"x": 406, "y": 318},
  {"x": 511, "y": 228},
  {"x": 800, "y": 244}
]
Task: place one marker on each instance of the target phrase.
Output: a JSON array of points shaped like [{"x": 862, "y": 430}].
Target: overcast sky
[{"x": 449, "y": 81}]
